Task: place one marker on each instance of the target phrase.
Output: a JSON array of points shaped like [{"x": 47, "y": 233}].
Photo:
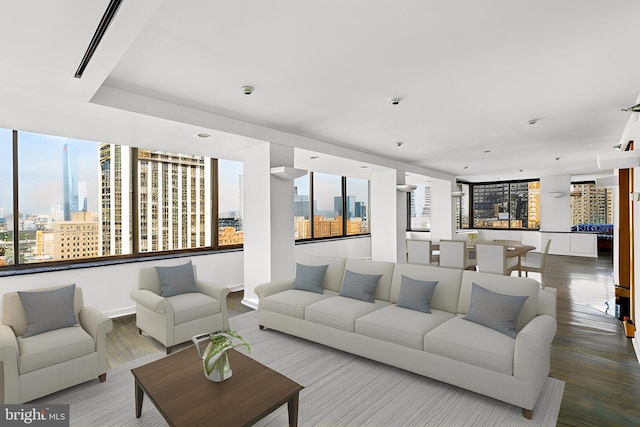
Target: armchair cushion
[
  {"x": 192, "y": 306},
  {"x": 177, "y": 279},
  {"x": 53, "y": 347},
  {"x": 48, "y": 310}
]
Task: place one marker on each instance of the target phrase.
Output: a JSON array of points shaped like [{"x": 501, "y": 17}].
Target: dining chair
[
  {"x": 492, "y": 258},
  {"x": 528, "y": 264},
  {"x": 454, "y": 254},
  {"x": 419, "y": 252}
]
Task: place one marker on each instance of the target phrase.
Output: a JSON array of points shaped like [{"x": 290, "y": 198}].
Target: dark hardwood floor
[{"x": 589, "y": 353}]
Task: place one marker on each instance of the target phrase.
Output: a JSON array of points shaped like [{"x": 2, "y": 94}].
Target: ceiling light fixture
[
  {"x": 247, "y": 90},
  {"x": 533, "y": 121},
  {"x": 314, "y": 157},
  {"x": 203, "y": 135},
  {"x": 486, "y": 151},
  {"x": 399, "y": 144},
  {"x": 395, "y": 101},
  {"x": 617, "y": 147}
]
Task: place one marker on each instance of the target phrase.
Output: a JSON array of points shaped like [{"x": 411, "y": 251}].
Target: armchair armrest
[
  {"x": 270, "y": 288},
  {"x": 150, "y": 300},
  {"x": 218, "y": 292},
  {"x": 533, "y": 346},
  {"x": 95, "y": 322},
  {"x": 9, "y": 388}
]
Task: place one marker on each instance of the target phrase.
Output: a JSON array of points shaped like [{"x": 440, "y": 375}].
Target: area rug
[{"x": 340, "y": 390}]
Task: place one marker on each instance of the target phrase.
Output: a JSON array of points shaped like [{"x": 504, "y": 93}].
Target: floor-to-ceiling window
[{"x": 6, "y": 198}]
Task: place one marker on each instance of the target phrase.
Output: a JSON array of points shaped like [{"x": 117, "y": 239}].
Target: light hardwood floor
[{"x": 590, "y": 352}]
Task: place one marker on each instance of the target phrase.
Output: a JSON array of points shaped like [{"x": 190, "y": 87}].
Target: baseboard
[
  {"x": 120, "y": 312},
  {"x": 251, "y": 302}
]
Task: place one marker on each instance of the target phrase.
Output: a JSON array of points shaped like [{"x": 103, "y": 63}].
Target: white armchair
[
  {"x": 37, "y": 361},
  {"x": 175, "y": 319}
]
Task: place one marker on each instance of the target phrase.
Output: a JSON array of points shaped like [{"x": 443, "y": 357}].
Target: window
[
  {"x": 301, "y": 208},
  {"x": 327, "y": 205},
  {"x": 230, "y": 193},
  {"x": 6, "y": 198},
  {"x": 462, "y": 206},
  {"x": 327, "y": 198},
  {"x": 357, "y": 198},
  {"x": 420, "y": 208},
  {"x": 590, "y": 204},
  {"x": 78, "y": 200},
  {"x": 506, "y": 205}
]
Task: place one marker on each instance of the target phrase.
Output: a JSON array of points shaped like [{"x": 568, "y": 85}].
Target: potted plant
[{"x": 215, "y": 360}]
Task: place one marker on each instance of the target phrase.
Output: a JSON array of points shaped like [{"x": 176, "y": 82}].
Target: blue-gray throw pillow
[
  {"x": 177, "y": 280},
  {"x": 494, "y": 310},
  {"x": 48, "y": 310},
  {"x": 310, "y": 277},
  {"x": 416, "y": 294},
  {"x": 359, "y": 286}
]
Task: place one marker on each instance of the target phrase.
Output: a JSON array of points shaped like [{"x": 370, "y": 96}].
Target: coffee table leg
[
  {"x": 139, "y": 396},
  {"x": 293, "y": 410}
]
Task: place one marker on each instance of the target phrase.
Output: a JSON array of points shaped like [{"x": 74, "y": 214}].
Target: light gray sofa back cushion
[
  {"x": 447, "y": 292},
  {"x": 335, "y": 270},
  {"x": 506, "y": 285},
  {"x": 374, "y": 267}
]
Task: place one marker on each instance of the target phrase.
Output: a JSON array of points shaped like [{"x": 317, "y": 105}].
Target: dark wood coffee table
[{"x": 178, "y": 388}]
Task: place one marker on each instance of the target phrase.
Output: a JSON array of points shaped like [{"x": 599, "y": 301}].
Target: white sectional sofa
[{"x": 441, "y": 344}]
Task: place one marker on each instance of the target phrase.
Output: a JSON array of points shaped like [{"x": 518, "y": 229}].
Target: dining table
[{"x": 514, "y": 249}]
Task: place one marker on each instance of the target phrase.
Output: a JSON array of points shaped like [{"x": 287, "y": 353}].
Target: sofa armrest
[
  {"x": 270, "y": 288},
  {"x": 218, "y": 292},
  {"x": 533, "y": 346},
  {"x": 547, "y": 302},
  {"x": 9, "y": 389},
  {"x": 151, "y": 300}
]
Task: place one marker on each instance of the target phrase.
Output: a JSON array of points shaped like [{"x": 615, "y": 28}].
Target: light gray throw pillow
[
  {"x": 177, "y": 280},
  {"x": 310, "y": 277},
  {"x": 359, "y": 286},
  {"x": 48, "y": 310},
  {"x": 494, "y": 310},
  {"x": 416, "y": 294}
]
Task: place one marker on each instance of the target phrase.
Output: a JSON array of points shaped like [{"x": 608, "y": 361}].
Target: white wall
[
  {"x": 108, "y": 288},
  {"x": 555, "y": 212},
  {"x": 383, "y": 219},
  {"x": 359, "y": 248}
]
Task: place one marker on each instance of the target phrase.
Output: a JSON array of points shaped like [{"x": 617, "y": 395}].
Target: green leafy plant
[{"x": 215, "y": 355}]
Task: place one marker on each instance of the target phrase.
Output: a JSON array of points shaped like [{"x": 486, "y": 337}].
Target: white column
[
  {"x": 443, "y": 210},
  {"x": 386, "y": 221},
  {"x": 269, "y": 241}
]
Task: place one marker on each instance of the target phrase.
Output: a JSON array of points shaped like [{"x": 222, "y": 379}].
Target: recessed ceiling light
[
  {"x": 314, "y": 157},
  {"x": 466, "y": 167},
  {"x": 557, "y": 158},
  {"x": 203, "y": 135},
  {"x": 486, "y": 151},
  {"x": 247, "y": 90},
  {"x": 399, "y": 144},
  {"x": 364, "y": 167},
  {"x": 395, "y": 101}
]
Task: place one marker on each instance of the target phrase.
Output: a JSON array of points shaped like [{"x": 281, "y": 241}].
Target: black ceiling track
[{"x": 109, "y": 14}]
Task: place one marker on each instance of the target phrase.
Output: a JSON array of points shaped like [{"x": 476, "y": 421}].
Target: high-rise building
[
  {"x": 174, "y": 196},
  {"x": 70, "y": 180},
  {"x": 115, "y": 204},
  {"x": 82, "y": 196}
]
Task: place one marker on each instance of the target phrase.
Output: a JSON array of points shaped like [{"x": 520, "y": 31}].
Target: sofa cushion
[
  {"x": 192, "y": 306},
  {"x": 53, "y": 347},
  {"x": 416, "y": 294},
  {"x": 506, "y": 285},
  {"x": 309, "y": 277},
  {"x": 359, "y": 286},
  {"x": 496, "y": 311},
  {"x": 292, "y": 302},
  {"x": 472, "y": 343},
  {"x": 48, "y": 310},
  {"x": 177, "y": 279},
  {"x": 340, "y": 312},
  {"x": 400, "y": 325},
  {"x": 374, "y": 267},
  {"x": 446, "y": 294}
]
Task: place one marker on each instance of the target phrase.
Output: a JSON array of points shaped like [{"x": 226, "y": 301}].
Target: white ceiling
[{"x": 470, "y": 75}]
